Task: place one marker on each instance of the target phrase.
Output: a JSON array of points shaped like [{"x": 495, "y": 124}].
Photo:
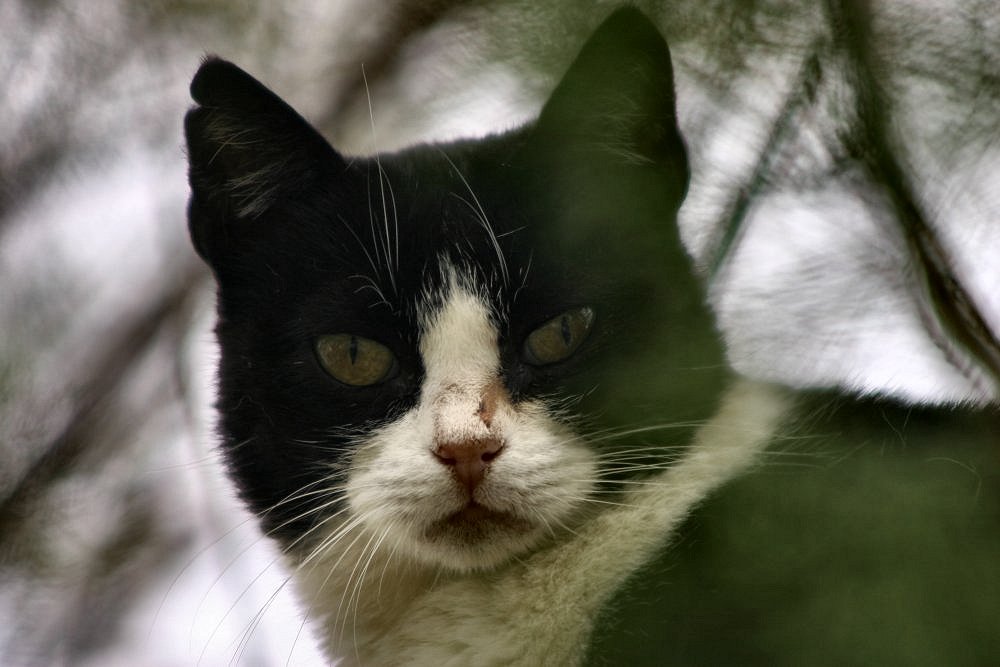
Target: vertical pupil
[
  {"x": 352, "y": 349},
  {"x": 567, "y": 335}
]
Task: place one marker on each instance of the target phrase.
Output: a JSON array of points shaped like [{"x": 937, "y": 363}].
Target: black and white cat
[{"x": 439, "y": 367}]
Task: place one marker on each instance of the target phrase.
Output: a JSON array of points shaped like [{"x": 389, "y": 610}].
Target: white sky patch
[{"x": 858, "y": 327}]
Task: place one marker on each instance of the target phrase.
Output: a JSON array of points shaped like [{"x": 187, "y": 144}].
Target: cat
[{"x": 442, "y": 368}]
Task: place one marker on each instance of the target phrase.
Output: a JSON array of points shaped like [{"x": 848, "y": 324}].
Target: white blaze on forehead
[
  {"x": 459, "y": 341},
  {"x": 461, "y": 361}
]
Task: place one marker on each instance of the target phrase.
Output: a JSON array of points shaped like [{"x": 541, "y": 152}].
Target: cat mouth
[
  {"x": 476, "y": 523},
  {"x": 475, "y": 512}
]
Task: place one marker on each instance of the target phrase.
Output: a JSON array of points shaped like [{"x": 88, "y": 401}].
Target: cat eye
[
  {"x": 559, "y": 338},
  {"x": 355, "y": 361}
]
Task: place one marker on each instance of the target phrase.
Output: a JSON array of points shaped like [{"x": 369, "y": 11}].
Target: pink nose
[{"x": 469, "y": 459}]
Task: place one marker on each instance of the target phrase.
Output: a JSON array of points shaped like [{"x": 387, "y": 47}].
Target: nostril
[
  {"x": 444, "y": 458},
  {"x": 489, "y": 455}
]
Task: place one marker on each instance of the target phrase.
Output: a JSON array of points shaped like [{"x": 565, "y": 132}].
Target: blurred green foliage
[{"x": 868, "y": 537}]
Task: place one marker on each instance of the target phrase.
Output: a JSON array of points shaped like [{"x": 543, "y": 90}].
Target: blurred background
[{"x": 843, "y": 210}]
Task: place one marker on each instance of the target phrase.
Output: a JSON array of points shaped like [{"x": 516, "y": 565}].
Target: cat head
[{"x": 415, "y": 345}]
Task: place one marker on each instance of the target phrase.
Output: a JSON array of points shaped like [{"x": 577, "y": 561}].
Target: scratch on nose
[{"x": 492, "y": 395}]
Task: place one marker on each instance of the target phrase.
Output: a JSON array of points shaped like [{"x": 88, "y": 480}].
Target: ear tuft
[
  {"x": 617, "y": 97},
  {"x": 219, "y": 82},
  {"x": 246, "y": 147}
]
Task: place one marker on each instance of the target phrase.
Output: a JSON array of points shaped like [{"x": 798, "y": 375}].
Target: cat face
[
  {"x": 415, "y": 345},
  {"x": 469, "y": 475}
]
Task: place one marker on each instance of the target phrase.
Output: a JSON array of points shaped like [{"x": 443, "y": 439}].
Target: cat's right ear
[
  {"x": 247, "y": 150},
  {"x": 615, "y": 104}
]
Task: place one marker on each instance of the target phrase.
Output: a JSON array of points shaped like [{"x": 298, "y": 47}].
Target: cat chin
[
  {"x": 465, "y": 538},
  {"x": 476, "y": 538},
  {"x": 480, "y": 541}
]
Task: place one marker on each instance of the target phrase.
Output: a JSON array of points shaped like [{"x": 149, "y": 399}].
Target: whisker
[
  {"x": 316, "y": 555},
  {"x": 359, "y": 585},
  {"x": 584, "y": 499},
  {"x": 392, "y": 264},
  {"x": 364, "y": 248},
  {"x": 256, "y": 621},
  {"x": 385, "y": 567},
  {"x": 187, "y": 566},
  {"x": 233, "y": 606},
  {"x": 481, "y": 216},
  {"x": 618, "y": 467}
]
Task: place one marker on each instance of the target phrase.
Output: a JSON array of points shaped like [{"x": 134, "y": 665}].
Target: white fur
[{"x": 388, "y": 594}]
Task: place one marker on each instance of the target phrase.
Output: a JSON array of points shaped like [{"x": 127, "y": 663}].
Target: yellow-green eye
[
  {"x": 354, "y": 360},
  {"x": 558, "y": 338}
]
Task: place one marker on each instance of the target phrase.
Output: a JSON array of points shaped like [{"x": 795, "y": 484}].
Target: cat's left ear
[
  {"x": 247, "y": 151},
  {"x": 615, "y": 104}
]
